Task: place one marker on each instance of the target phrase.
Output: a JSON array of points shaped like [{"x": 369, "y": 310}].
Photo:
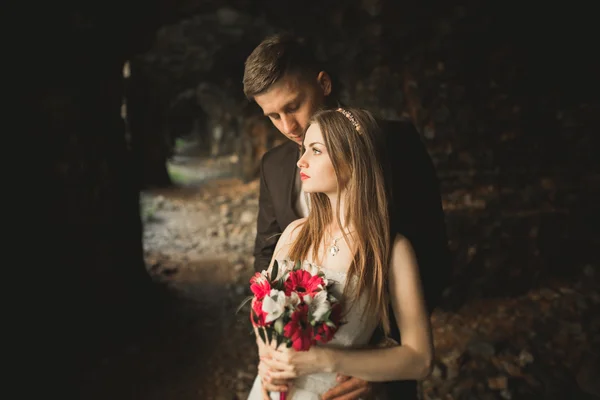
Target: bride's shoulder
[
  {"x": 293, "y": 229},
  {"x": 288, "y": 236},
  {"x": 401, "y": 243}
]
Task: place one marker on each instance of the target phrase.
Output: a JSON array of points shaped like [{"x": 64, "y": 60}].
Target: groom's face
[{"x": 292, "y": 101}]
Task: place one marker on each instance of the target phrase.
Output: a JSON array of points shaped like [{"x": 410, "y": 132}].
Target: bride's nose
[{"x": 302, "y": 162}]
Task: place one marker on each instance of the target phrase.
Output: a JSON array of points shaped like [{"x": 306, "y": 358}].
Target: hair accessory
[{"x": 351, "y": 118}]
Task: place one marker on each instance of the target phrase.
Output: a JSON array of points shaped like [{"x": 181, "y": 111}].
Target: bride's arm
[{"x": 410, "y": 361}]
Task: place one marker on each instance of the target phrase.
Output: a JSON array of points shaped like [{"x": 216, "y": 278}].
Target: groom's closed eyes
[{"x": 289, "y": 108}]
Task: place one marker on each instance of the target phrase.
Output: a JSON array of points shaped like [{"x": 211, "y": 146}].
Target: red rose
[
  {"x": 298, "y": 330},
  {"x": 257, "y": 315},
  {"x": 324, "y": 333},
  {"x": 260, "y": 286},
  {"x": 336, "y": 314},
  {"x": 302, "y": 282}
]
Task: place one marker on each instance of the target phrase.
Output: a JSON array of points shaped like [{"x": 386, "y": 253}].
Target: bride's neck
[
  {"x": 335, "y": 226},
  {"x": 333, "y": 201}
]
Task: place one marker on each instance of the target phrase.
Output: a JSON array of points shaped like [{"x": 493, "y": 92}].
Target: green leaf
[
  {"x": 298, "y": 265},
  {"x": 279, "y": 326},
  {"x": 261, "y": 333},
  {"x": 278, "y": 284},
  {"x": 247, "y": 299},
  {"x": 271, "y": 335},
  {"x": 275, "y": 270}
]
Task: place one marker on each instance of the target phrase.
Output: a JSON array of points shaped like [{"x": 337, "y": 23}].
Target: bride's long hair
[{"x": 354, "y": 144}]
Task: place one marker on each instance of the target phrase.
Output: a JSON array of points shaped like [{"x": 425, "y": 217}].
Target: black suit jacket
[
  {"x": 415, "y": 212},
  {"x": 276, "y": 200}
]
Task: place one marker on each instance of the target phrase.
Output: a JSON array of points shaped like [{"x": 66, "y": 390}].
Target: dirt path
[{"x": 198, "y": 239}]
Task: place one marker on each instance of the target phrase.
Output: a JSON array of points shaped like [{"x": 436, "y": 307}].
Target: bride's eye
[{"x": 316, "y": 151}]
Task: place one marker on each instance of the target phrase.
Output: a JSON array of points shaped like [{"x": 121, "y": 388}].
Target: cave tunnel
[{"x": 151, "y": 166}]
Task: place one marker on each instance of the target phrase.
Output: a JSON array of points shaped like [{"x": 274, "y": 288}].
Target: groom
[{"x": 284, "y": 78}]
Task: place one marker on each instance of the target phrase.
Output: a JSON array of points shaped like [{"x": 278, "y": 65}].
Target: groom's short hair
[{"x": 275, "y": 57}]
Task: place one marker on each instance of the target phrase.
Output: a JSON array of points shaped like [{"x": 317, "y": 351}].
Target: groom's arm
[
  {"x": 267, "y": 227},
  {"x": 348, "y": 388}
]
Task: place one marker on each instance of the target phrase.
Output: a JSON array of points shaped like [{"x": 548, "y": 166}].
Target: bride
[{"x": 347, "y": 236}]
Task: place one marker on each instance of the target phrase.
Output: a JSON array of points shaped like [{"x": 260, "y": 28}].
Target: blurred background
[{"x": 148, "y": 188}]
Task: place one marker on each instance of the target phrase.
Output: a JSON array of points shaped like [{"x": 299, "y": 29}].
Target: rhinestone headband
[{"x": 351, "y": 118}]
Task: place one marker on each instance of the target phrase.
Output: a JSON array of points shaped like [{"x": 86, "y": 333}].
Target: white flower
[
  {"x": 262, "y": 277},
  {"x": 318, "y": 305},
  {"x": 284, "y": 269},
  {"x": 274, "y": 305},
  {"x": 292, "y": 300},
  {"x": 307, "y": 266},
  {"x": 310, "y": 267},
  {"x": 314, "y": 271}
]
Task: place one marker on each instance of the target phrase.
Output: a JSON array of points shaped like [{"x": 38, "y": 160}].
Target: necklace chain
[{"x": 334, "y": 249}]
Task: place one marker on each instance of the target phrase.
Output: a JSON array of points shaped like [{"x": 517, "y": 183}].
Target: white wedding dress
[{"x": 355, "y": 333}]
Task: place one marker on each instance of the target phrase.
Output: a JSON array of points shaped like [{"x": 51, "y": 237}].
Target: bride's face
[{"x": 316, "y": 169}]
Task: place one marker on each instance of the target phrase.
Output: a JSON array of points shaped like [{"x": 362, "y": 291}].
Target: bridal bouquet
[{"x": 294, "y": 306}]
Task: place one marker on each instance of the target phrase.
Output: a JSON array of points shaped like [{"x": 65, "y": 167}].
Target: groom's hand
[{"x": 348, "y": 388}]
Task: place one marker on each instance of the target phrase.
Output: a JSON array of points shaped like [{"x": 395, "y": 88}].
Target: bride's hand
[
  {"x": 284, "y": 363},
  {"x": 268, "y": 383}
]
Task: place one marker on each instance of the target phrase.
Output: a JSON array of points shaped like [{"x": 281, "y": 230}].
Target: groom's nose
[{"x": 290, "y": 125}]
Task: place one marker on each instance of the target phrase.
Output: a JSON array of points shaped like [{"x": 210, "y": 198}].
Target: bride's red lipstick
[{"x": 303, "y": 176}]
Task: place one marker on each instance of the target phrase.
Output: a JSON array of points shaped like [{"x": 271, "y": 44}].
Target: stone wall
[
  {"x": 85, "y": 255},
  {"x": 504, "y": 101},
  {"x": 465, "y": 74}
]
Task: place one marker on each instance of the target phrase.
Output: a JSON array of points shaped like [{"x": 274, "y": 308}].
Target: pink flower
[
  {"x": 298, "y": 330},
  {"x": 303, "y": 283},
  {"x": 260, "y": 285},
  {"x": 257, "y": 315}
]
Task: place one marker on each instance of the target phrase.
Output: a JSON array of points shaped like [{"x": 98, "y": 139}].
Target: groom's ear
[{"x": 324, "y": 81}]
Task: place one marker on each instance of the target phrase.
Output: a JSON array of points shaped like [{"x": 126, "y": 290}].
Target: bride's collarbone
[{"x": 340, "y": 262}]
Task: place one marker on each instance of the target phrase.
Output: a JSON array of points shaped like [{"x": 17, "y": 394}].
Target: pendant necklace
[{"x": 334, "y": 249}]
